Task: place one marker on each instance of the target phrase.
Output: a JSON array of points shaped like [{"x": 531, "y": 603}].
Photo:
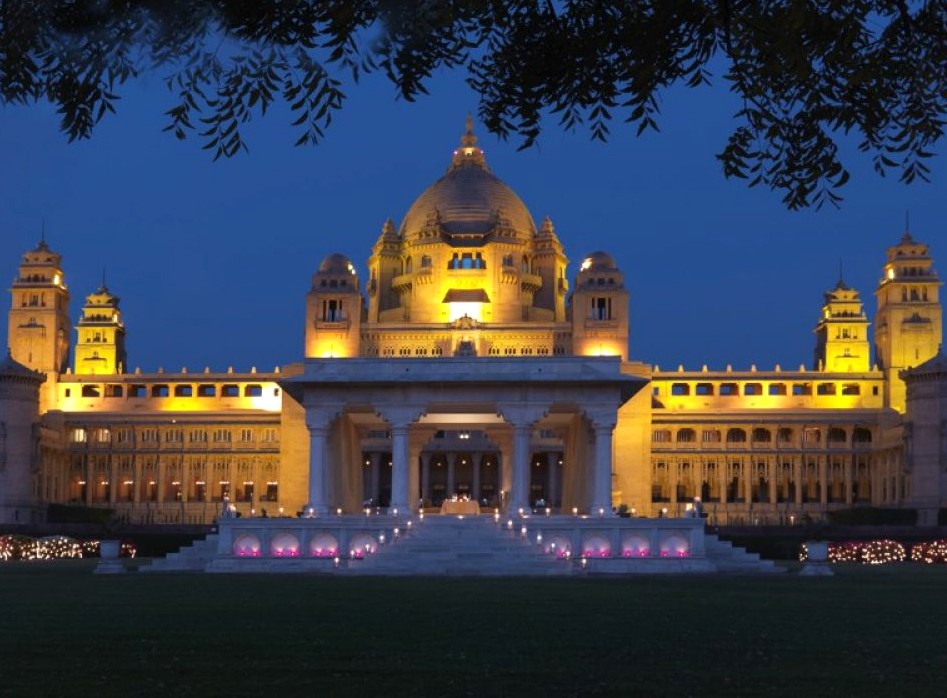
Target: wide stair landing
[
  {"x": 729, "y": 558},
  {"x": 462, "y": 547},
  {"x": 191, "y": 558}
]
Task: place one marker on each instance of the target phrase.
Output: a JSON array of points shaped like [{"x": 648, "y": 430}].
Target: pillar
[
  {"x": 374, "y": 458},
  {"x": 823, "y": 482},
  {"x": 848, "y": 480},
  {"x": 414, "y": 478},
  {"x": 552, "y": 471},
  {"x": 451, "y": 474},
  {"x": 399, "y": 421},
  {"x": 426, "y": 477},
  {"x": 602, "y": 494},
  {"x": 318, "y": 440},
  {"x": 519, "y": 492},
  {"x": 476, "y": 459}
]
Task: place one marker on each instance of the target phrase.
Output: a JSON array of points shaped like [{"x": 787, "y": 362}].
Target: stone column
[
  {"x": 772, "y": 468},
  {"x": 797, "y": 479},
  {"x": 399, "y": 421},
  {"x": 602, "y": 494},
  {"x": 476, "y": 459},
  {"x": 375, "y": 493},
  {"x": 673, "y": 472},
  {"x": 848, "y": 479},
  {"x": 318, "y": 424},
  {"x": 552, "y": 479},
  {"x": 414, "y": 477},
  {"x": 723, "y": 469},
  {"x": 823, "y": 482},
  {"x": 519, "y": 492},
  {"x": 113, "y": 479},
  {"x": 451, "y": 479},
  {"x": 426, "y": 476}
]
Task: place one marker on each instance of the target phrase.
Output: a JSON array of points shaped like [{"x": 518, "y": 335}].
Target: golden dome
[{"x": 468, "y": 198}]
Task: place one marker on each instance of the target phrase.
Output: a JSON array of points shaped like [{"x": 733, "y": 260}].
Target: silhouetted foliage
[{"x": 806, "y": 71}]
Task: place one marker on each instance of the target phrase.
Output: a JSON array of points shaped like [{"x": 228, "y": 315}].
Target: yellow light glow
[
  {"x": 891, "y": 273},
  {"x": 586, "y": 263},
  {"x": 472, "y": 310}
]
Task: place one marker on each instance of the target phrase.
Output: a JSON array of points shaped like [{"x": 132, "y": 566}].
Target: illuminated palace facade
[{"x": 469, "y": 363}]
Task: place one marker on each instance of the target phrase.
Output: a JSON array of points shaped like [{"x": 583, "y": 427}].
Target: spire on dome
[{"x": 468, "y": 153}]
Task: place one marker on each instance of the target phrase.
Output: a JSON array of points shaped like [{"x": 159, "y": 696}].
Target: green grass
[{"x": 866, "y": 631}]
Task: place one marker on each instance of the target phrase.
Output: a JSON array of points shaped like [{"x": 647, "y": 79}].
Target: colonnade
[{"x": 411, "y": 466}]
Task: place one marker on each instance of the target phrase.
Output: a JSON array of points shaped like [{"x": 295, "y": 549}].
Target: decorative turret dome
[
  {"x": 469, "y": 198},
  {"x": 598, "y": 261},
  {"x": 336, "y": 264}
]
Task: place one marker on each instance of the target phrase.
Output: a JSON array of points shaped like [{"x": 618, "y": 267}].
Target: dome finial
[
  {"x": 469, "y": 140},
  {"x": 468, "y": 153}
]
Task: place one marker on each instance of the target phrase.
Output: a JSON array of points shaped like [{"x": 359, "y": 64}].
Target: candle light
[
  {"x": 575, "y": 511},
  {"x": 338, "y": 512},
  {"x": 548, "y": 511}
]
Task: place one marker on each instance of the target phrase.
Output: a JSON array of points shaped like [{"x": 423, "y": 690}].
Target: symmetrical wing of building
[{"x": 469, "y": 364}]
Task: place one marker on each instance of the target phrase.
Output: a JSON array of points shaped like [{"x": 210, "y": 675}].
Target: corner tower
[
  {"x": 333, "y": 310},
  {"x": 909, "y": 321},
  {"x": 600, "y": 309},
  {"x": 39, "y": 327},
  {"x": 101, "y": 342},
  {"x": 842, "y": 333}
]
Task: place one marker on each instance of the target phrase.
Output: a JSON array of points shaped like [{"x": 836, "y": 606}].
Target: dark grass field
[{"x": 865, "y": 632}]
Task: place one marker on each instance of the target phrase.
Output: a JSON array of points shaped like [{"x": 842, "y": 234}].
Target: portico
[{"x": 485, "y": 421}]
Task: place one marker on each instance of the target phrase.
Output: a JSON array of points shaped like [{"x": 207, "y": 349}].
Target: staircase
[
  {"x": 727, "y": 558},
  {"x": 191, "y": 558},
  {"x": 462, "y": 547}
]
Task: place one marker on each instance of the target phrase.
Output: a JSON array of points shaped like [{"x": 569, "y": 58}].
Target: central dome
[{"x": 468, "y": 199}]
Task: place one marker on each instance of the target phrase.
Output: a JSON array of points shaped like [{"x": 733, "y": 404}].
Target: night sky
[{"x": 212, "y": 261}]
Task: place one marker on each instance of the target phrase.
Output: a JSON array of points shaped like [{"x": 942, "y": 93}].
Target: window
[
  {"x": 680, "y": 389},
  {"x": 332, "y": 310},
  {"x": 600, "y": 309},
  {"x": 686, "y": 436},
  {"x": 91, "y": 391},
  {"x": 198, "y": 436},
  {"x": 269, "y": 435},
  {"x": 777, "y": 389},
  {"x": 222, "y": 435},
  {"x": 183, "y": 391},
  {"x": 811, "y": 436},
  {"x": 861, "y": 435},
  {"x": 230, "y": 390},
  {"x": 753, "y": 389},
  {"x": 661, "y": 436},
  {"x": 736, "y": 436},
  {"x": 728, "y": 389},
  {"x": 206, "y": 391},
  {"x": 102, "y": 435},
  {"x": 124, "y": 436},
  {"x": 826, "y": 389},
  {"x": 762, "y": 436},
  {"x": 253, "y": 391},
  {"x": 851, "y": 389},
  {"x": 704, "y": 389},
  {"x": 246, "y": 435},
  {"x": 272, "y": 492},
  {"x": 149, "y": 435},
  {"x": 78, "y": 436},
  {"x": 837, "y": 436},
  {"x": 137, "y": 391},
  {"x": 802, "y": 389},
  {"x": 784, "y": 435},
  {"x": 159, "y": 391},
  {"x": 710, "y": 436},
  {"x": 174, "y": 436}
]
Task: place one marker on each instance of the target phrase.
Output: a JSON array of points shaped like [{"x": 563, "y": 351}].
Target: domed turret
[
  {"x": 598, "y": 261},
  {"x": 336, "y": 263}
]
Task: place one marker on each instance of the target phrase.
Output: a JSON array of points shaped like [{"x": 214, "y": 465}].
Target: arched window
[
  {"x": 761, "y": 435},
  {"x": 408, "y": 265},
  {"x": 686, "y": 436},
  {"x": 736, "y": 436}
]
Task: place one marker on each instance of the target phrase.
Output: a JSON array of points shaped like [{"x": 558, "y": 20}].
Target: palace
[{"x": 468, "y": 363}]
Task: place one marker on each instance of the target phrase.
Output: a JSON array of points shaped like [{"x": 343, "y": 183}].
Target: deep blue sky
[{"x": 213, "y": 260}]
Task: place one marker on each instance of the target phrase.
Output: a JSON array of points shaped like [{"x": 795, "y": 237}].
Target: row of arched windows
[{"x": 760, "y": 435}]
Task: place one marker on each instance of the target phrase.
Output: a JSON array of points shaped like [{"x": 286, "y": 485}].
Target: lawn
[{"x": 866, "y": 631}]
